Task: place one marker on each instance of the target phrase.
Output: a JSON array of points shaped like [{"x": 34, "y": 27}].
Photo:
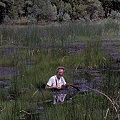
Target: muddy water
[
  {"x": 96, "y": 77},
  {"x": 7, "y": 70},
  {"x": 6, "y": 74}
]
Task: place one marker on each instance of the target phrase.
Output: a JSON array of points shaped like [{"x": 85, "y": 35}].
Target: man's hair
[{"x": 60, "y": 67}]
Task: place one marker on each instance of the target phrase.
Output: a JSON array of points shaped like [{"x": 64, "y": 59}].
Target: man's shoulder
[
  {"x": 63, "y": 78},
  {"x": 53, "y": 77}
]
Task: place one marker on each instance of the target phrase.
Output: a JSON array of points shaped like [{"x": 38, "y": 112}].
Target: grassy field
[{"x": 37, "y": 52}]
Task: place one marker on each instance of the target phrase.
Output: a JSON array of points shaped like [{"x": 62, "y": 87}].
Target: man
[{"x": 57, "y": 81}]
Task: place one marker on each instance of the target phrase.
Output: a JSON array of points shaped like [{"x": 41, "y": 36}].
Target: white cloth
[{"x": 54, "y": 81}]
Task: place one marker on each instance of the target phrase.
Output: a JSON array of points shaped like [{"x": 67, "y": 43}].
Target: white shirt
[{"x": 54, "y": 81}]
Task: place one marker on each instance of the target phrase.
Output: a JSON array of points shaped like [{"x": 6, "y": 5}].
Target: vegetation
[
  {"x": 37, "y": 51},
  {"x": 33, "y": 11}
]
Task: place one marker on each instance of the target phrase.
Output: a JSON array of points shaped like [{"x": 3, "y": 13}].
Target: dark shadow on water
[{"x": 9, "y": 71}]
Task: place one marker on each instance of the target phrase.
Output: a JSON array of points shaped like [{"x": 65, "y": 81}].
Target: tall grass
[
  {"x": 61, "y": 35},
  {"x": 40, "y": 50}
]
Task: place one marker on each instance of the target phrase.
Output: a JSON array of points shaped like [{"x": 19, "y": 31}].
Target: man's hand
[
  {"x": 71, "y": 85},
  {"x": 58, "y": 87},
  {"x": 50, "y": 87}
]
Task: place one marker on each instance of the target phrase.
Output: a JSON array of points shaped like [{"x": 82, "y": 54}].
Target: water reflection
[
  {"x": 64, "y": 95},
  {"x": 59, "y": 98}
]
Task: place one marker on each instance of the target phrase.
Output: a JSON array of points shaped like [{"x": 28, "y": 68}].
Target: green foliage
[
  {"x": 68, "y": 8},
  {"x": 2, "y": 4},
  {"x": 42, "y": 9},
  {"x": 55, "y": 9},
  {"x": 10, "y": 8}
]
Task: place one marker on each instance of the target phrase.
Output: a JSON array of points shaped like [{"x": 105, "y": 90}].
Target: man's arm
[
  {"x": 50, "y": 87},
  {"x": 74, "y": 86}
]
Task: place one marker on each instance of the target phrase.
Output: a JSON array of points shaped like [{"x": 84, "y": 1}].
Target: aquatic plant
[{"x": 40, "y": 50}]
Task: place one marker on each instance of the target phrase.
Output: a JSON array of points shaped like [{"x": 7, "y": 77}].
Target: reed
[{"x": 40, "y": 50}]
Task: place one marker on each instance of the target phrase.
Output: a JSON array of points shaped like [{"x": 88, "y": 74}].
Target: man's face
[{"x": 60, "y": 72}]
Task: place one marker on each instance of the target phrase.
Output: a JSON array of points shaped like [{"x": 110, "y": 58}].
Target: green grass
[
  {"x": 61, "y": 35},
  {"x": 37, "y": 75},
  {"x": 47, "y": 48}
]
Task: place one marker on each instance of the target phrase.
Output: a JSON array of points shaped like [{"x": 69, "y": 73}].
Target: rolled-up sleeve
[{"x": 50, "y": 81}]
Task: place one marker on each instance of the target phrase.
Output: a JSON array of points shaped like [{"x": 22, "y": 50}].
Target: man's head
[{"x": 60, "y": 71}]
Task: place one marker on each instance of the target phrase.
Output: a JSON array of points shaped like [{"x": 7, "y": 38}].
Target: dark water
[{"x": 9, "y": 71}]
